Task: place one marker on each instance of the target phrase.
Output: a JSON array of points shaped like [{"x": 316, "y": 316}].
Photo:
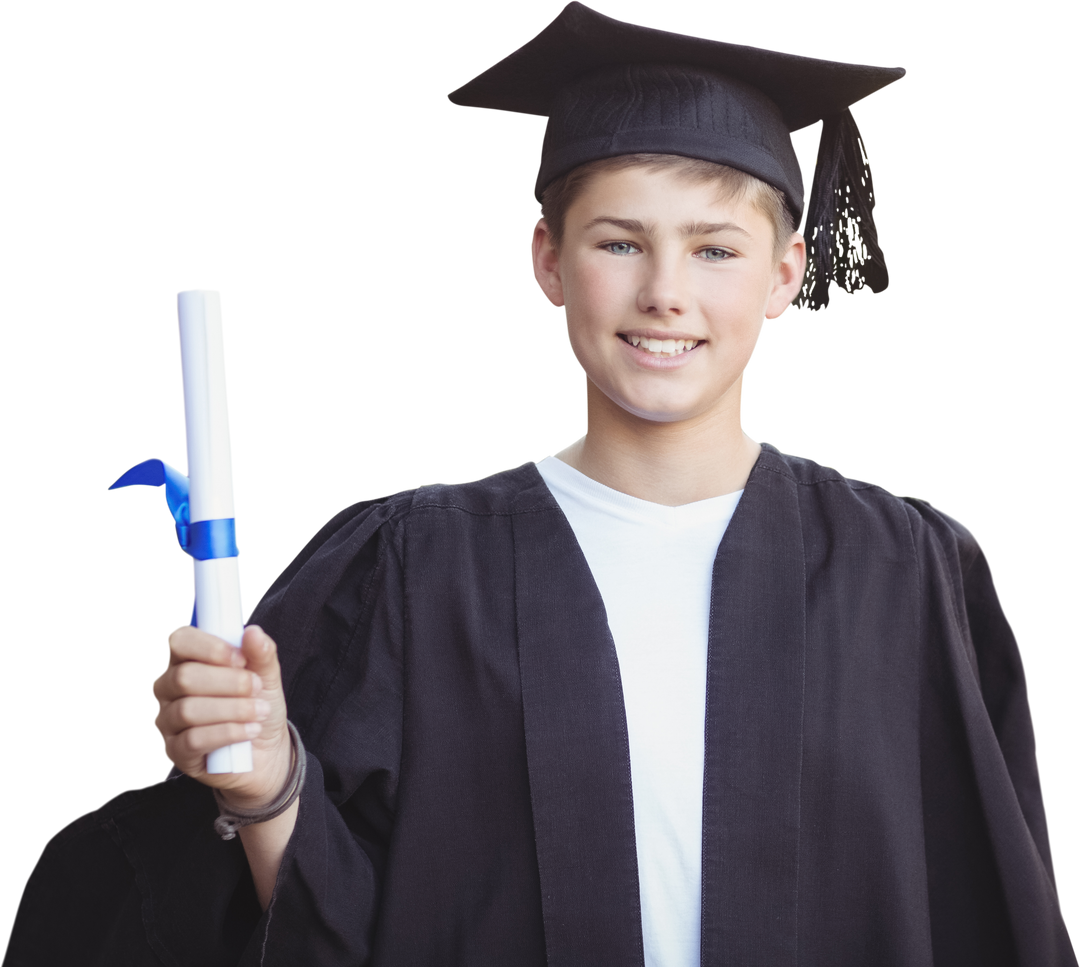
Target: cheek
[
  {"x": 575, "y": 339},
  {"x": 598, "y": 287},
  {"x": 739, "y": 308},
  {"x": 592, "y": 308}
]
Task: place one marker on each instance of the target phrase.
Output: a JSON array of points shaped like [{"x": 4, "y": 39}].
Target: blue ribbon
[{"x": 203, "y": 540}]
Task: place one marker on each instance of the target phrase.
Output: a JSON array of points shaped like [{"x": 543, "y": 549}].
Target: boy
[{"x": 568, "y": 714}]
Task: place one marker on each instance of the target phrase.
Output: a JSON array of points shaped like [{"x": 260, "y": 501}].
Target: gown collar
[{"x": 578, "y": 750}]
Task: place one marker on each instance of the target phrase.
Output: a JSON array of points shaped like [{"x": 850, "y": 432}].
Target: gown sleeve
[
  {"x": 990, "y": 875},
  {"x": 146, "y": 881},
  {"x": 337, "y": 614}
]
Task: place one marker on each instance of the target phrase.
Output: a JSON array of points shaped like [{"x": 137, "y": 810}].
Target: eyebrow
[{"x": 689, "y": 230}]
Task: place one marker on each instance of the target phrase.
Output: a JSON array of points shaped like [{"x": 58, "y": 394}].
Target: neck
[{"x": 666, "y": 463}]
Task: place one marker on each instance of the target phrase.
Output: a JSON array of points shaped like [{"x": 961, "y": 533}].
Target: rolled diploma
[{"x": 217, "y": 581}]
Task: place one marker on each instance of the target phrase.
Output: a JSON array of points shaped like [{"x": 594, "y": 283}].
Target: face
[{"x": 666, "y": 286}]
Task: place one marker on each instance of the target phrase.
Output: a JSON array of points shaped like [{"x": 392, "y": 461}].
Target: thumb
[{"x": 261, "y": 653}]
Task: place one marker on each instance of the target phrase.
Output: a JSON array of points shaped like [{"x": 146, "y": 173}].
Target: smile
[{"x": 661, "y": 347}]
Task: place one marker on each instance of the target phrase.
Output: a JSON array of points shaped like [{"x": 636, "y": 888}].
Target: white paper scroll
[{"x": 217, "y": 581}]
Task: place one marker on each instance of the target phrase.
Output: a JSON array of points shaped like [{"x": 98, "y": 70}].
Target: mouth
[{"x": 662, "y": 348}]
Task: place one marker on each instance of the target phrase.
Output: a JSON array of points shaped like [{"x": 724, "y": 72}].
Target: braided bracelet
[{"x": 233, "y": 818}]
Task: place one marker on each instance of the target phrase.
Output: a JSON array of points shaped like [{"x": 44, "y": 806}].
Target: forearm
[{"x": 264, "y": 844}]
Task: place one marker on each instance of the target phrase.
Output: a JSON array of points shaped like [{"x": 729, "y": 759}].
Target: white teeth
[{"x": 663, "y": 347}]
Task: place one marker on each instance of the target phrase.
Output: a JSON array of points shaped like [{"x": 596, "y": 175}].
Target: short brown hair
[{"x": 735, "y": 184}]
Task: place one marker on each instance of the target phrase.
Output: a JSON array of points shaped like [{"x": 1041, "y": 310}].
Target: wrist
[
  {"x": 239, "y": 812},
  {"x": 267, "y": 791}
]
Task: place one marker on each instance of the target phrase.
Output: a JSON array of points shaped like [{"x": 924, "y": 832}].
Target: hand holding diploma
[
  {"x": 202, "y": 503},
  {"x": 213, "y": 695}
]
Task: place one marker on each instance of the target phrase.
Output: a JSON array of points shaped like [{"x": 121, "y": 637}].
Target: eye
[
  {"x": 713, "y": 254},
  {"x": 620, "y": 248}
]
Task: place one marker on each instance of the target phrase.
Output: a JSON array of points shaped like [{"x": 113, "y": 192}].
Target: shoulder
[
  {"x": 839, "y": 504},
  {"x": 351, "y": 578},
  {"x": 510, "y": 492},
  {"x": 368, "y": 536}
]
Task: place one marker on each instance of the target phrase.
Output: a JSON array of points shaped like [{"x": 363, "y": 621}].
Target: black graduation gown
[{"x": 871, "y": 794}]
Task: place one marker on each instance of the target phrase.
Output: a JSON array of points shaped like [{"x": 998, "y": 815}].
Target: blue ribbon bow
[{"x": 203, "y": 540}]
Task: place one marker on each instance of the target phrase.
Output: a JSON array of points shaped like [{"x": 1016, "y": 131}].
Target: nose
[{"x": 663, "y": 287}]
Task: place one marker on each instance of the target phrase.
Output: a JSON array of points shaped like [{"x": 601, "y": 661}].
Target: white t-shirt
[{"x": 653, "y": 565}]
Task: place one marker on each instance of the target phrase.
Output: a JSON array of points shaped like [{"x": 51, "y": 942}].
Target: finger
[
  {"x": 198, "y": 710},
  {"x": 191, "y": 644},
  {"x": 188, "y": 748},
  {"x": 196, "y": 678},
  {"x": 156, "y": 682}
]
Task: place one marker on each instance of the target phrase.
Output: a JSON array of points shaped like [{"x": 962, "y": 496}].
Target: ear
[
  {"x": 546, "y": 264},
  {"x": 789, "y": 277}
]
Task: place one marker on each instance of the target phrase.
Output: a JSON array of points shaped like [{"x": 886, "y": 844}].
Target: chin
[{"x": 654, "y": 416}]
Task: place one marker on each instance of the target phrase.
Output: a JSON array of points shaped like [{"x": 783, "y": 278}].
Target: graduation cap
[{"x": 611, "y": 88}]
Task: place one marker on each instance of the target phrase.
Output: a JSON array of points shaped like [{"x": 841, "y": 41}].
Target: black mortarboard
[{"x": 611, "y": 88}]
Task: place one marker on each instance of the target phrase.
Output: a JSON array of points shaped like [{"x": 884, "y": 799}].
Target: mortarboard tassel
[{"x": 841, "y": 237}]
